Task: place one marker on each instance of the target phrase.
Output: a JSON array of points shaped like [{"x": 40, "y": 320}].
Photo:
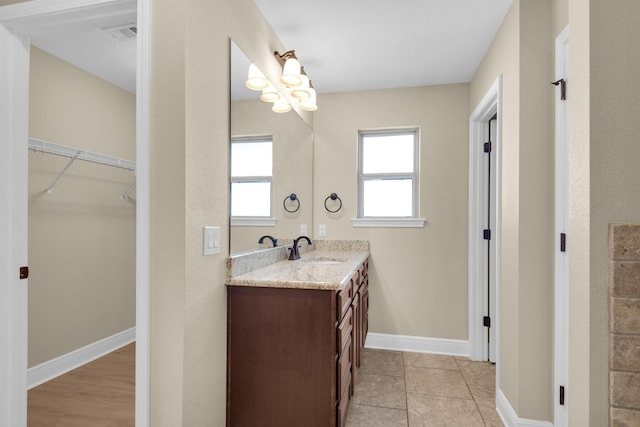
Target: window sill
[
  {"x": 388, "y": 222},
  {"x": 253, "y": 222}
]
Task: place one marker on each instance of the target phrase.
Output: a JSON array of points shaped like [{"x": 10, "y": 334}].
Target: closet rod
[{"x": 61, "y": 150}]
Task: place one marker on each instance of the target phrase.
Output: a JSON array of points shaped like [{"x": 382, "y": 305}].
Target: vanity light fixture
[
  {"x": 281, "y": 106},
  {"x": 293, "y": 77},
  {"x": 256, "y": 80},
  {"x": 291, "y": 70},
  {"x": 270, "y": 93},
  {"x": 302, "y": 91},
  {"x": 309, "y": 104}
]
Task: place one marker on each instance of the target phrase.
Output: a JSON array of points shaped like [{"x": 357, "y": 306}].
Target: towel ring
[
  {"x": 333, "y": 196},
  {"x": 293, "y": 198}
]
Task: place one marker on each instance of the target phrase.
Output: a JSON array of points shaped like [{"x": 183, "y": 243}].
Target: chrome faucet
[
  {"x": 294, "y": 253},
  {"x": 273, "y": 240}
]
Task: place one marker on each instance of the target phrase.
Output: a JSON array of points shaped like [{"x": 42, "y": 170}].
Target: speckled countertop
[{"x": 326, "y": 269}]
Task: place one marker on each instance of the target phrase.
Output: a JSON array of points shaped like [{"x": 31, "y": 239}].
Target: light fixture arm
[{"x": 283, "y": 58}]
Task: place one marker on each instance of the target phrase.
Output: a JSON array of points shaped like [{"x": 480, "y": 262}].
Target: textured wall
[
  {"x": 82, "y": 237},
  {"x": 522, "y": 54},
  {"x": 418, "y": 276}
]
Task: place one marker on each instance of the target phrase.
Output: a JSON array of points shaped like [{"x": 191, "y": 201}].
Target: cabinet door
[{"x": 357, "y": 338}]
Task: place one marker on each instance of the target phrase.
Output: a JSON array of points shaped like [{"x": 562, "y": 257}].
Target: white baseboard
[
  {"x": 53, "y": 368},
  {"x": 417, "y": 344},
  {"x": 509, "y": 416}
]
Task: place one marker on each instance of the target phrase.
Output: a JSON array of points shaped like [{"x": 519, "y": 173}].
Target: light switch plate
[
  {"x": 211, "y": 241},
  {"x": 322, "y": 230},
  {"x": 303, "y": 229}
]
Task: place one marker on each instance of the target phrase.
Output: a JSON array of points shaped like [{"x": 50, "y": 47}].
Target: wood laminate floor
[
  {"x": 98, "y": 394},
  {"x": 393, "y": 389}
]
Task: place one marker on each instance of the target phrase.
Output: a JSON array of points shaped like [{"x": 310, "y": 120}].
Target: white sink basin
[{"x": 322, "y": 261}]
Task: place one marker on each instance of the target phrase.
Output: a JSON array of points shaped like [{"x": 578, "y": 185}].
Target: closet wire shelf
[{"x": 74, "y": 153}]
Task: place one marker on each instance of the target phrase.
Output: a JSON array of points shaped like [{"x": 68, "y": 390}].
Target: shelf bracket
[
  {"x": 55, "y": 181},
  {"x": 125, "y": 195}
]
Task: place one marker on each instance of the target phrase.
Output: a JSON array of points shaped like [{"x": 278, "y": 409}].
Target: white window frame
[
  {"x": 378, "y": 221},
  {"x": 267, "y": 221}
]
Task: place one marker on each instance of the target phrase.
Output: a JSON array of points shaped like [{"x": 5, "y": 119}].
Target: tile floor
[{"x": 423, "y": 390}]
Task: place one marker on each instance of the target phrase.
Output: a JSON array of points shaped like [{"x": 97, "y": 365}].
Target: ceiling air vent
[{"x": 121, "y": 32}]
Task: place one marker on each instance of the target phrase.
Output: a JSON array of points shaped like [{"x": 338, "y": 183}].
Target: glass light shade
[
  {"x": 291, "y": 73},
  {"x": 309, "y": 104},
  {"x": 281, "y": 106},
  {"x": 302, "y": 91},
  {"x": 270, "y": 94},
  {"x": 256, "y": 80}
]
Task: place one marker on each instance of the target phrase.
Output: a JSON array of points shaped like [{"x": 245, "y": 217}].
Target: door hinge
[
  {"x": 24, "y": 273},
  {"x": 563, "y": 242},
  {"x": 563, "y": 88},
  {"x": 486, "y": 321},
  {"x": 486, "y": 234},
  {"x": 562, "y": 395},
  {"x": 487, "y": 147}
]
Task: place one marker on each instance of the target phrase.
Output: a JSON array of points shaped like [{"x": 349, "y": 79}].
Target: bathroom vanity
[{"x": 296, "y": 330}]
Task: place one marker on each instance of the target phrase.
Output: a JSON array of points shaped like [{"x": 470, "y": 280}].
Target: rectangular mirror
[{"x": 266, "y": 199}]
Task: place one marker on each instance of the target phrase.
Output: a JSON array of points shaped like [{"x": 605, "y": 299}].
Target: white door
[
  {"x": 562, "y": 241},
  {"x": 484, "y": 214},
  {"x": 489, "y": 256},
  {"x": 490, "y": 174}
]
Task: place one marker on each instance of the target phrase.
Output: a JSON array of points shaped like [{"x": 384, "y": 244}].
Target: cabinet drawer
[
  {"x": 344, "y": 372},
  {"x": 343, "y": 299},
  {"x": 343, "y": 406},
  {"x": 344, "y": 331}
]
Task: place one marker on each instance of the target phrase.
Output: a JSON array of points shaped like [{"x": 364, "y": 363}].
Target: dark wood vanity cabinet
[{"x": 293, "y": 354}]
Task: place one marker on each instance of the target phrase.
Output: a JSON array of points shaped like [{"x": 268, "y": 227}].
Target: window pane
[
  {"x": 388, "y": 197},
  {"x": 387, "y": 153},
  {"x": 251, "y": 159},
  {"x": 251, "y": 199}
]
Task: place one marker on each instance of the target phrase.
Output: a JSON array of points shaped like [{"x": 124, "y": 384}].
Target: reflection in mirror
[{"x": 254, "y": 126}]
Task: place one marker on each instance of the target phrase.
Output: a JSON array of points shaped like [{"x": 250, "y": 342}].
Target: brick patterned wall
[{"x": 624, "y": 325}]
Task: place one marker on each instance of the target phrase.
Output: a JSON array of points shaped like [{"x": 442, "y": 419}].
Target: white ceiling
[{"x": 344, "y": 45}]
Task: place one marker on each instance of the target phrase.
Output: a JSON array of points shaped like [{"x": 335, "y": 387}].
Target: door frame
[
  {"x": 561, "y": 268},
  {"x": 14, "y": 85},
  {"x": 17, "y": 23},
  {"x": 478, "y": 122}
]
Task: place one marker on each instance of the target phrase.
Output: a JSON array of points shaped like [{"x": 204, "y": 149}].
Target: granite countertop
[{"x": 324, "y": 269}]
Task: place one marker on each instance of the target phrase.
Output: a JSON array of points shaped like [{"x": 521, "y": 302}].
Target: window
[
  {"x": 388, "y": 165},
  {"x": 251, "y": 174}
]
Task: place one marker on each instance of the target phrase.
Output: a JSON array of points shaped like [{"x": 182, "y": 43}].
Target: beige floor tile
[
  {"x": 435, "y": 411},
  {"x": 380, "y": 390},
  {"x": 479, "y": 391},
  {"x": 482, "y": 373},
  {"x": 437, "y": 382},
  {"x": 462, "y": 358},
  {"x": 488, "y": 409},
  {"x": 493, "y": 424},
  {"x": 382, "y": 362},
  {"x": 372, "y": 416},
  {"x": 424, "y": 360}
]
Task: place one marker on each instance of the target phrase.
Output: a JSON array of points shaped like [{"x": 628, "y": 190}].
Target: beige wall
[
  {"x": 190, "y": 189},
  {"x": 418, "y": 276},
  {"x": 292, "y": 170},
  {"x": 604, "y": 176},
  {"x": 82, "y": 237},
  {"x": 522, "y": 53}
]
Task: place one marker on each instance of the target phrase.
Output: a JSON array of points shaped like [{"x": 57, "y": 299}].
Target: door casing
[
  {"x": 18, "y": 23},
  {"x": 478, "y": 122}
]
